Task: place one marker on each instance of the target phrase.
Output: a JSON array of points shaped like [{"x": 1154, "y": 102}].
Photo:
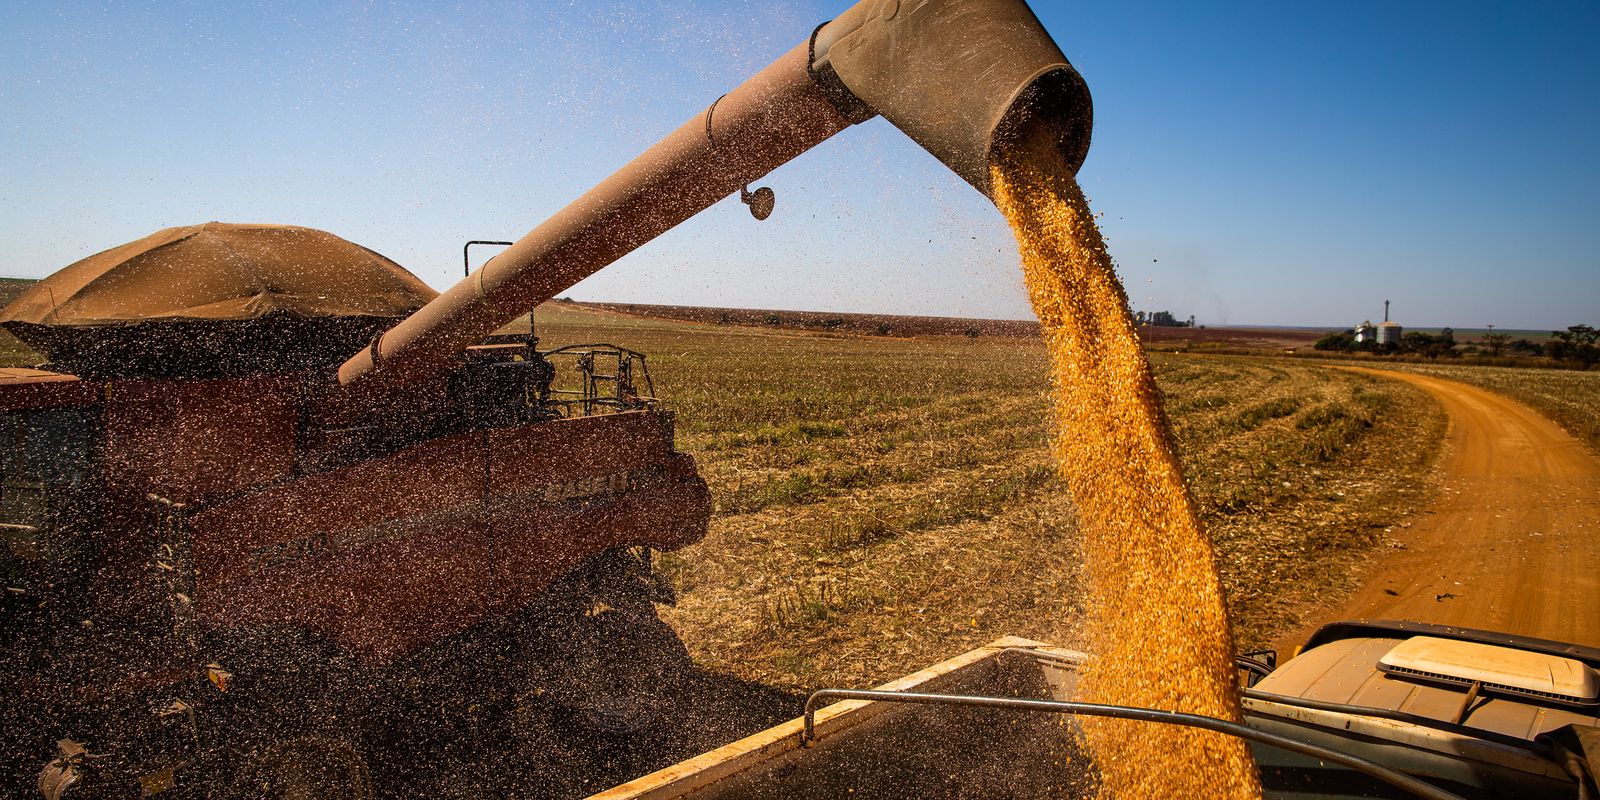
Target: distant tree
[
  {"x": 1415, "y": 342},
  {"x": 1426, "y": 344},
  {"x": 1337, "y": 341},
  {"x": 884, "y": 329},
  {"x": 970, "y": 333},
  {"x": 832, "y": 323},
  {"x": 772, "y": 319},
  {"x": 1579, "y": 343},
  {"x": 1444, "y": 345},
  {"x": 1526, "y": 346},
  {"x": 1496, "y": 342}
]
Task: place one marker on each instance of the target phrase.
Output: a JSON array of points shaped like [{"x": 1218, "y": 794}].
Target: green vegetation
[
  {"x": 1430, "y": 345},
  {"x": 1577, "y": 347},
  {"x": 1579, "y": 343}
]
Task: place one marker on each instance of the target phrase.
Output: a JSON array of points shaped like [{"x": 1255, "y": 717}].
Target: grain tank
[{"x": 225, "y": 524}]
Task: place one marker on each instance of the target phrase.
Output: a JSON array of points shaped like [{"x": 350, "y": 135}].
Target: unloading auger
[{"x": 960, "y": 77}]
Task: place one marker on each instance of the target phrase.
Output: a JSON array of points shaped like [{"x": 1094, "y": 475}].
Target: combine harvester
[{"x": 233, "y": 547}]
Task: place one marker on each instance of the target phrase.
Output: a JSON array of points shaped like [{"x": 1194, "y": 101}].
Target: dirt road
[{"x": 1513, "y": 542}]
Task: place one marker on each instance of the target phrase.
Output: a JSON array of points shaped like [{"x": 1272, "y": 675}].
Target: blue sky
[{"x": 1270, "y": 163}]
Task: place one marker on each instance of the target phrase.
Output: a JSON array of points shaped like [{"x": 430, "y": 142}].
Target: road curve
[{"x": 1512, "y": 544}]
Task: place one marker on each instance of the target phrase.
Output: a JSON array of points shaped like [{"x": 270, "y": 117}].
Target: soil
[{"x": 1511, "y": 543}]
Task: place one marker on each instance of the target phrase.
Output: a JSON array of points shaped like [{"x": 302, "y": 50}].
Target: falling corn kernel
[{"x": 1156, "y": 622}]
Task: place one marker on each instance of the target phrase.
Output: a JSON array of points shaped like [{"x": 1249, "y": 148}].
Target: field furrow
[{"x": 882, "y": 503}]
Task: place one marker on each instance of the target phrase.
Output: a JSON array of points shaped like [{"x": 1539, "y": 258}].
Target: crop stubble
[
  {"x": 911, "y": 478},
  {"x": 883, "y": 503}
]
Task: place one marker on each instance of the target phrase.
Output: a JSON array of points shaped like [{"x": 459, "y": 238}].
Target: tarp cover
[
  {"x": 213, "y": 299},
  {"x": 222, "y": 271}
]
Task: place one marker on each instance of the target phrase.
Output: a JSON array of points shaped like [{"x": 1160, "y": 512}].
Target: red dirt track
[{"x": 1513, "y": 542}]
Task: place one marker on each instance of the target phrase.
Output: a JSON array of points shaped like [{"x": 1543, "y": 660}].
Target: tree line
[{"x": 1578, "y": 343}]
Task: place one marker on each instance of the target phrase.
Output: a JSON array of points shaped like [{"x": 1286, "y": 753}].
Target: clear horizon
[{"x": 1254, "y": 164}]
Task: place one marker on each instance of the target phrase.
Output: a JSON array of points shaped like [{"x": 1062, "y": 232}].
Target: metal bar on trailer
[
  {"x": 1399, "y": 779},
  {"x": 1344, "y": 708}
]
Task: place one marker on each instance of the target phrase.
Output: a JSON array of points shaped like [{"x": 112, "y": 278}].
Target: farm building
[
  {"x": 1388, "y": 332},
  {"x": 1385, "y": 332}
]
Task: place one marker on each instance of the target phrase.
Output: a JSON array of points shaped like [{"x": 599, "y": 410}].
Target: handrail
[
  {"x": 631, "y": 367},
  {"x": 466, "y": 262},
  {"x": 1342, "y": 708}
]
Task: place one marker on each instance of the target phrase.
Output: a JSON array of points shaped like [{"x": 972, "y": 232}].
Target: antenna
[{"x": 1386, "y": 311}]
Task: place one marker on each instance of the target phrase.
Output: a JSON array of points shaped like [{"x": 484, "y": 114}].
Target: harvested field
[
  {"x": 882, "y": 503},
  {"x": 1173, "y": 338},
  {"x": 839, "y": 322},
  {"x": 10, "y": 288},
  {"x": 1228, "y": 340},
  {"x": 13, "y": 353}
]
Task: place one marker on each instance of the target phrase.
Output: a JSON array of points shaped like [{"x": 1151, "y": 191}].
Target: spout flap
[{"x": 960, "y": 77}]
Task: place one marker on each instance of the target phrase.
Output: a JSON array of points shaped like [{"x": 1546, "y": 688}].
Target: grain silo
[
  {"x": 1388, "y": 330},
  {"x": 1366, "y": 332}
]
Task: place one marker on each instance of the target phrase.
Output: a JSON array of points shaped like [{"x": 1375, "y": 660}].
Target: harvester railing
[
  {"x": 608, "y": 378},
  {"x": 1251, "y": 693},
  {"x": 466, "y": 257}
]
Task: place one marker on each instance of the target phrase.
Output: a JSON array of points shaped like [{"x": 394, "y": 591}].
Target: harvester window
[
  {"x": 49, "y": 499},
  {"x": 47, "y": 474},
  {"x": 55, "y": 446}
]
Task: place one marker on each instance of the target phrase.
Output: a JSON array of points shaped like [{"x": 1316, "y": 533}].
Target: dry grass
[
  {"x": 881, "y": 503},
  {"x": 1569, "y": 397}
]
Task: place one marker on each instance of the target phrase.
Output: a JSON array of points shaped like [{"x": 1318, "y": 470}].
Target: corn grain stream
[{"x": 1156, "y": 621}]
